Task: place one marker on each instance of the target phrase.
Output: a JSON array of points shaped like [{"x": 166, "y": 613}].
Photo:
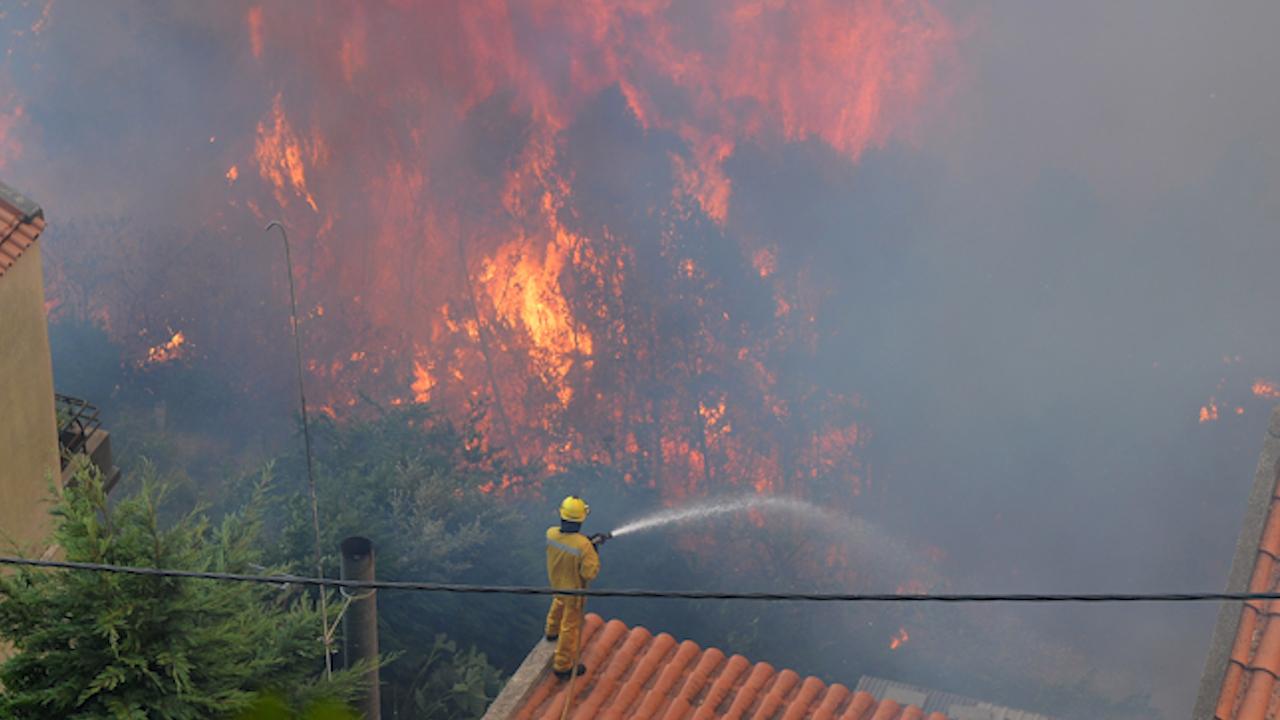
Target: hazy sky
[{"x": 1098, "y": 230}]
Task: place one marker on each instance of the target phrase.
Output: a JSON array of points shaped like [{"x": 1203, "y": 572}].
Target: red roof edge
[
  {"x": 21, "y": 222},
  {"x": 1244, "y": 654}
]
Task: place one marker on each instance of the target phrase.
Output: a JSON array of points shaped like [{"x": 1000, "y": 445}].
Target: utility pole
[{"x": 360, "y": 622}]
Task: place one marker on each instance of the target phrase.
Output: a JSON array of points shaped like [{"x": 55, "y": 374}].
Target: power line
[{"x": 954, "y": 598}]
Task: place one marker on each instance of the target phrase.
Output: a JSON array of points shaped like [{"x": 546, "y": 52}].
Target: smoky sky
[
  {"x": 1092, "y": 236},
  {"x": 1033, "y": 289}
]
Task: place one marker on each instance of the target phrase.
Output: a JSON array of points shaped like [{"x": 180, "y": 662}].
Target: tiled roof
[
  {"x": 20, "y": 224},
  {"x": 1241, "y": 674},
  {"x": 633, "y": 673}
]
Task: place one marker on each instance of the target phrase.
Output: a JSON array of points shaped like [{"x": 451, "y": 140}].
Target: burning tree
[{"x": 533, "y": 209}]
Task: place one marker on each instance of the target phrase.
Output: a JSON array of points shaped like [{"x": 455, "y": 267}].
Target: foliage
[
  {"x": 450, "y": 684},
  {"x": 177, "y": 416},
  {"x": 104, "y": 645},
  {"x": 411, "y": 482},
  {"x": 273, "y": 707},
  {"x": 407, "y": 480}
]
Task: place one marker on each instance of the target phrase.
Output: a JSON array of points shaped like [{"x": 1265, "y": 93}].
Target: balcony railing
[
  {"x": 77, "y": 422},
  {"x": 80, "y": 432}
]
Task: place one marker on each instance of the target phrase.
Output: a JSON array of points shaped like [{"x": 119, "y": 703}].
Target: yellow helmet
[{"x": 574, "y": 509}]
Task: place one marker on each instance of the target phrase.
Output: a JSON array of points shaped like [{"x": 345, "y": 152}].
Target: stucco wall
[{"x": 28, "y": 426}]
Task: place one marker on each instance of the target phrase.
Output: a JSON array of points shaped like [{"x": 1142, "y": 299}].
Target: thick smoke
[
  {"x": 1020, "y": 258},
  {"x": 1092, "y": 230}
]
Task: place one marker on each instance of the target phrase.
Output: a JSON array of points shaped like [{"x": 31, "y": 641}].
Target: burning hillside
[
  {"x": 698, "y": 245},
  {"x": 527, "y": 207}
]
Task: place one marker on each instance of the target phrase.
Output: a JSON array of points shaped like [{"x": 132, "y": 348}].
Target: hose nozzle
[{"x": 601, "y": 538}]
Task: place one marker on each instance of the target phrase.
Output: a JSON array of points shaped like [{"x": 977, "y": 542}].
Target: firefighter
[{"x": 572, "y": 562}]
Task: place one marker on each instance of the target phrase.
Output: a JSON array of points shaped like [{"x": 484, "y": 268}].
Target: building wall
[{"x": 29, "y": 459}]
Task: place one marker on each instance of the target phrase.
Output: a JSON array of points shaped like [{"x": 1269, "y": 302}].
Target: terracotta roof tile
[
  {"x": 887, "y": 711},
  {"x": 20, "y": 224},
  {"x": 1257, "y": 698},
  {"x": 722, "y": 687},
  {"x": 1248, "y": 689},
  {"x": 834, "y": 698},
  {"x": 810, "y": 689},
  {"x": 746, "y": 695},
  {"x": 1270, "y": 543},
  {"x": 633, "y": 674},
  {"x": 859, "y": 708}
]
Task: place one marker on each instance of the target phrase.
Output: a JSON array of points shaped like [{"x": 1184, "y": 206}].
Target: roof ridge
[
  {"x": 21, "y": 222},
  {"x": 1242, "y": 665},
  {"x": 26, "y": 209}
]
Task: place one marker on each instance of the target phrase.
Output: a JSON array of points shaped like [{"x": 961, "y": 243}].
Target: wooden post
[{"x": 360, "y": 623}]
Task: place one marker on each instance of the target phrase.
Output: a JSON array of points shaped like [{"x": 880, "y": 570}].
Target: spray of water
[
  {"x": 876, "y": 549},
  {"x": 714, "y": 508}
]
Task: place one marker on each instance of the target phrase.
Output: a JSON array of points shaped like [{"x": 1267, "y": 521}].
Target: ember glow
[
  {"x": 1209, "y": 411},
  {"x": 168, "y": 351},
  {"x": 1266, "y": 389},
  {"x": 899, "y": 639}
]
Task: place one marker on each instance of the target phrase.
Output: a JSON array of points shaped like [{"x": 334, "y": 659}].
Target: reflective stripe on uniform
[{"x": 567, "y": 548}]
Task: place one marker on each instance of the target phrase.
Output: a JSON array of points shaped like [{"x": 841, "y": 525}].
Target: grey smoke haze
[
  {"x": 1034, "y": 294},
  {"x": 1094, "y": 227}
]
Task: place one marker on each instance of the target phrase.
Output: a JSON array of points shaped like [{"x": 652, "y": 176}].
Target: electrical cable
[{"x": 946, "y": 598}]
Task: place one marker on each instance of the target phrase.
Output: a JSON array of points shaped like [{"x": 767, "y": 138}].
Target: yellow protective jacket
[{"x": 572, "y": 561}]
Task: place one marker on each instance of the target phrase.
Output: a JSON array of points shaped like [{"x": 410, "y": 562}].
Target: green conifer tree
[{"x": 103, "y": 645}]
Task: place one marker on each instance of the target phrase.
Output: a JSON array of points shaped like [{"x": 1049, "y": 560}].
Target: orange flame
[
  {"x": 765, "y": 261},
  {"x": 466, "y": 257},
  {"x": 703, "y": 179},
  {"x": 899, "y": 639},
  {"x": 283, "y": 156},
  {"x": 172, "y": 349},
  {"x": 423, "y": 382},
  {"x": 523, "y": 281},
  {"x": 1209, "y": 412},
  {"x": 46, "y": 15},
  {"x": 1266, "y": 389}
]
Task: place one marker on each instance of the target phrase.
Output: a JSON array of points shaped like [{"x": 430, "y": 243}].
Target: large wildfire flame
[{"x": 529, "y": 206}]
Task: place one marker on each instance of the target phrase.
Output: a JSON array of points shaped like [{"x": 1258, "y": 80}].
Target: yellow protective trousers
[
  {"x": 565, "y": 620},
  {"x": 572, "y": 562}
]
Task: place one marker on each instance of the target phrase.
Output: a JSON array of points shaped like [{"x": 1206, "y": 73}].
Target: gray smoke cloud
[{"x": 1091, "y": 226}]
